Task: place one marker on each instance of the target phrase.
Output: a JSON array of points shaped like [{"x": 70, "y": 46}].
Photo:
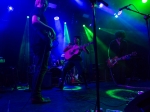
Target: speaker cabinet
[
  {"x": 140, "y": 104},
  {"x": 51, "y": 78}
]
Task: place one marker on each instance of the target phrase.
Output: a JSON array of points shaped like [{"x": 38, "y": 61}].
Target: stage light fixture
[
  {"x": 116, "y": 16},
  {"x": 83, "y": 25},
  {"x": 56, "y": 18},
  {"x": 10, "y": 8},
  {"x": 28, "y": 17},
  {"x": 120, "y": 12},
  {"x": 101, "y": 5},
  {"x": 65, "y": 23},
  {"x": 144, "y": 1}
]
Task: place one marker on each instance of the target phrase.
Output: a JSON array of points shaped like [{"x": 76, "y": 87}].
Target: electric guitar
[
  {"x": 113, "y": 61},
  {"x": 74, "y": 50}
]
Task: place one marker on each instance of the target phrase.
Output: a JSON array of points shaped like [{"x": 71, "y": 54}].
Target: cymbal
[{"x": 63, "y": 55}]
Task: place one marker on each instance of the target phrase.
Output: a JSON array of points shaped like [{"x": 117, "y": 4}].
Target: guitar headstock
[{"x": 134, "y": 53}]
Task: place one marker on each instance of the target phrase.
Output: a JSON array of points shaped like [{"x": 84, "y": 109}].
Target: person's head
[
  {"x": 41, "y": 4},
  {"x": 76, "y": 39},
  {"x": 120, "y": 35}
]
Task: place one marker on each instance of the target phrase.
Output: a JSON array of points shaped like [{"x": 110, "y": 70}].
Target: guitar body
[
  {"x": 71, "y": 52},
  {"x": 75, "y": 49},
  {"x": 112, "y": 62}
]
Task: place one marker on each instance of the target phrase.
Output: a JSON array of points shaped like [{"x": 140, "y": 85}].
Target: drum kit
[
  {"x": 56, "y": 67},
  {"x": 57, "y": 63}
]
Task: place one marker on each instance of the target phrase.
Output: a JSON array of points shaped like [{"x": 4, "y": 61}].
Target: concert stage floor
[{"x": 74, "y": 98}]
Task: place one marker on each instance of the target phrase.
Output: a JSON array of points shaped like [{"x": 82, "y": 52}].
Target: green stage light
[
  {"x": 83, "y": 25},
  {"x": 73, "y": 88},
  {"x": 144, "y": 1},
  {"x": 114, "y": 93}
]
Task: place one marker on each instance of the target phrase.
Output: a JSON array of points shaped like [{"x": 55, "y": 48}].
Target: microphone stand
[
  {"x": 146, "y": 17},
  {"x": 93, "y": 2}
]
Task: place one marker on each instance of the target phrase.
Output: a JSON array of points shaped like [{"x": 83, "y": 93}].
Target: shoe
[{"x": 40, "y": 100}]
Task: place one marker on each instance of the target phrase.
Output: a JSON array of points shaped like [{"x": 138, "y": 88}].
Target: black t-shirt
[
  {"x": 116, "y": 50},
  {"x": 76, "y": 58},
  {"x": 40, "y": 40}
]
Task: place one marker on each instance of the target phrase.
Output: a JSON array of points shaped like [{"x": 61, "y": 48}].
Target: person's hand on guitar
[
  {"x": 85, "y": 49},
  {"x": 52, "y": 34}
]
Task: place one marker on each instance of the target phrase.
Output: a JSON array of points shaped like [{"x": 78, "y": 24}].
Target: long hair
[{"x": 39, "y": 2}]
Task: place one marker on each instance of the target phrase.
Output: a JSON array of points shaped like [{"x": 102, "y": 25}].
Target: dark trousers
[
  {"x": 119, "y": 72},
  {"x": 41, "y": 65},
  {"x": 69, "y": 65}
]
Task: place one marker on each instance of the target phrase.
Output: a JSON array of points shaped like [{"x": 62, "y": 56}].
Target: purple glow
[
  {"x": 79, "y": 2},
  {"x": 106, "y": 9},
  {"x": 56, "y": 18},
  {"x": 51, "y": 5}
]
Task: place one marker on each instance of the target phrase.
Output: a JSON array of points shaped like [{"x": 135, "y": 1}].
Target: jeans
[{"x": 41, "y": 66}]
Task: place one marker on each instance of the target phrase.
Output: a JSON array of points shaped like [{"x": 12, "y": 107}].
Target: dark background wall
[{"x": 12, "y": 26}]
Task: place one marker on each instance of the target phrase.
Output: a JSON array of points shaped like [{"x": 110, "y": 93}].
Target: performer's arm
[
  {"x": 37, "y": 22},
  {"x": 86, "y": 50}
]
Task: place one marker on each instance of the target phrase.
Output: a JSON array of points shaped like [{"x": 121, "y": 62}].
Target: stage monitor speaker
[{"x": 140, "y": 104}]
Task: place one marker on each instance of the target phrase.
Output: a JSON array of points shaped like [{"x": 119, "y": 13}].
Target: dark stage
[
  {"x": 75, "y": 98},
  {"x": 72, "y": 22}
]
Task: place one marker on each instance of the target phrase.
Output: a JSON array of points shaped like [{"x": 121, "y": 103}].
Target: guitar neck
[
  {"x": 123, "y": 56},
  {"x": 87, "y": 44}
]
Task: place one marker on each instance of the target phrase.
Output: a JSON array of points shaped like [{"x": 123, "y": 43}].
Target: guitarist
[
  {"x": 118, "y": 48},
  {"x": 74, "y": 61},
  {"x": 41, "y": 47}
]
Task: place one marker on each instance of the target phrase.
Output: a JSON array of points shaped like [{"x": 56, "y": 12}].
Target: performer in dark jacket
[{"x": 118, "y": 48}]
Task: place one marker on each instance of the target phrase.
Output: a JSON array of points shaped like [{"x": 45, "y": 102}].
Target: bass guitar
[
  {"x": 113, "y": 61},
  {"x": 74, "y": 50}
]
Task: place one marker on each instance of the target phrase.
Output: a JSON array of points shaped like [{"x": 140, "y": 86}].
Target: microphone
[{"x": 124, "y": 7}]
